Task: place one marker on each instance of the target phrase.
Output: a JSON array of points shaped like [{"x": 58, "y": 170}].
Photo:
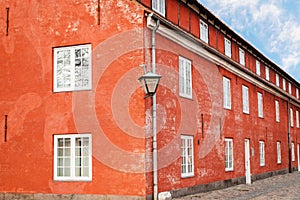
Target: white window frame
[
  {"x": 226, "y": 93},
  {"x": 187, "y": 156},
  {"x": 159, "y": 6},
  {"x": 72, "y": 73},
  {"x": 277, "y": 80},
  {"x": 185, "y": 78},
  {"x": 290, "y": 88},
  {"x": 203, "y": 31},
  {"x": 260, "y": 105},
  {"x": 297, "y": 93},
  {"x": 293, "y": 151},
  {"x": 229, "y": 159},
  {"x": 291, "y": 117},
  {"x": 242, "y": 56},
  {"x": 278, "y": 144},
  {"x": 283, "y": 84},
  {"x": 71, "y": 157},
  {"x": 257, "y": 64},
  {"x": 227, "y": 47},
  {"x": 277, "y": 111},
  {"x": 297, "y": 119},
  {"x": 267, "y": 70},
  {"x": 261, "y": 153},
  {"x": 245, "y": 95}
]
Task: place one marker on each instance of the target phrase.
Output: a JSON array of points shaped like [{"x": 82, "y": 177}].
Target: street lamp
[{"x": 149, "y": 82}]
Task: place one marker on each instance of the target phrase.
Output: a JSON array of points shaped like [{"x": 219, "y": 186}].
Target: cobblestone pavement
[{"x": 285, "y": 186}]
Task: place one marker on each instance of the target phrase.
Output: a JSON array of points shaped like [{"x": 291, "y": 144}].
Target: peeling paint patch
[
  {"x": 134, "y": 17},
  {"x": 91, "y": 8},
  {"x": 73, "y": 27}
]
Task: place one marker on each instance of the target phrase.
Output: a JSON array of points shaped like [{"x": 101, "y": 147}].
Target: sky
[{"x": 271, "y": 26}]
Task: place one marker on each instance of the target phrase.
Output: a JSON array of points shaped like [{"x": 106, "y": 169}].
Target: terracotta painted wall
[
  {"x": 114, "y": 111},
  {"x": 36, "y": 113},
  {"x": 180, "y": 116}
]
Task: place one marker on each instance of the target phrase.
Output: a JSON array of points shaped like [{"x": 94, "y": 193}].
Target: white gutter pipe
[{"x": 155, "y": 179}]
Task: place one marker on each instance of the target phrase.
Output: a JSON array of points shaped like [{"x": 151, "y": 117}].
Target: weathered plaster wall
[{"x": 112, "y": 111}]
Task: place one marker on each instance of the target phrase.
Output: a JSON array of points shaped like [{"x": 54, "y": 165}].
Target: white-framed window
[
  {"x": 185, "y": 77},
  {"x": 260, "y": 106},
  {"x": 203, "y": 31},
  {"x": 242, "y": 56},
  {"x": 72, "y": 68},
  {"x": 297, "y": 119},
  {"x": 227, "y": 47},
  {"x": 283, "y": 84},
  {"x": 297, "y": 93},
  {"x": 226, "y": 93},
  {"x": 267, "y": 70},
  {"x": 73, "y": 157},
  {"x": 187, "y": 156},
  {"x": 278, "y": 153},
  {"x": 277, "y": 80},
  {"x": 257, "y": 64},
  {"x": 159, "y": 6},
  {"x": 293, "y": 151},
  {"x": 245, "y": 94},
  {"x": 291, "y": 117},
  {"x": 228, "y": 154},
  {"x": 290, "y": 88},
  {"x": 261, "y": 153},
  {"x": 277, "y": 111}
]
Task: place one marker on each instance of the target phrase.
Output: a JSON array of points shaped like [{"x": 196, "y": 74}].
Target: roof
[{"x": 249, "y": 47}]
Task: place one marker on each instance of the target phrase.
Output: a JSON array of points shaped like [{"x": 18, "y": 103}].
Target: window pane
[
  {"x": 245, "y": 99},
  {"x": 203, "y": 31},
  {"x": 77, "y": 171},
  {"x": 60, "y": 152},
  {"x": 72, "y": 68},
  {"x": 78, "y": 161},
  {"x": 73, "y": 156},
  {"x": 67, "y": 152},
  {"x": 228, "y": 154},
  {"x": 185, "y": 78},
  {"x": 159, "y": 6},
  {"x": 67, "y": 171},
  {"x": 258, "y": 67},
  {"x": 267, "y": 73},
  {"x": 60, "y": 162},
  {"x": 187, "y": 156},
  {"x": 242, "y": 56},
  {"x": 227, "y": 47},
  {"x": 226, "y": 93},
  {"x": 60, "y": 171},
  {"x": 85, "y": 171},
  {"x": 260, "y": 104}
]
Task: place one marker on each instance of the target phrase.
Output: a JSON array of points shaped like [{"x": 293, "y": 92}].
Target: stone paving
[{"x": 285, "y": 186}]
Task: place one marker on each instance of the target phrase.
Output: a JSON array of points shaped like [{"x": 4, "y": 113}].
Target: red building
[{"x": 76, "y": 123}]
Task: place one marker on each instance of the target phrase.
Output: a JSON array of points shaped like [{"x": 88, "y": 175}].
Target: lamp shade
[{"x": 149, "y": 83}]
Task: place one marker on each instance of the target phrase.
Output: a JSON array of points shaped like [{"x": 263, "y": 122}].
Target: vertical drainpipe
[
  {"x": 155, "y": 179},
  {"x": 289, "y": 137}
]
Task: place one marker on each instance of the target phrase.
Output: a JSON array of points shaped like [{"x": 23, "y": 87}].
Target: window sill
[
  {"x": 72, "y": 180},
  {"x": 187, "y": 176},
  {"x": 186, "y": 97}
]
